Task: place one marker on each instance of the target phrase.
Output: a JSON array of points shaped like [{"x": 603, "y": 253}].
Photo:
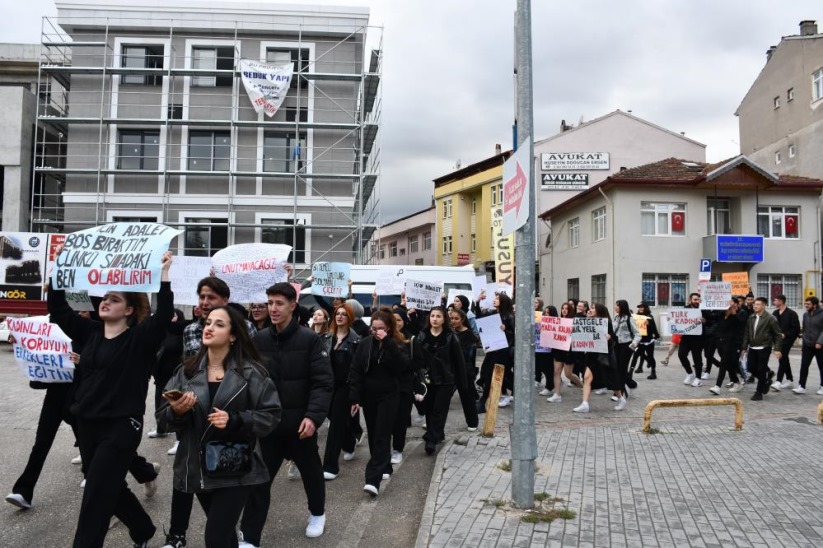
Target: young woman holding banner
[
  {"x": 110, "y": 401},
  {"x": 563, "y": 361},
  {"x": 597, "y": 372}
]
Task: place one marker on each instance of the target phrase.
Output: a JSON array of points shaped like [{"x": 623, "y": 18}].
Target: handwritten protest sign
[
  {"x": 589, "y": 335},
  {"x": 492, "y": 337},
  {"x": 686, "y": 321},
  {"x": 642, "y": 323},
  {"x": 390, "y": 281},
  {"x": 539, "y": 348},
  {"x": 556, "y": 332},
  {"x": 79, "y": 301},
  {"x": 493, "y": 289},
  {"x": 739, "y": 281},
  {"x": 184, "y": 274},
  {"x": 41, "y": 349},
  {"x": 113, "y": 257},
  {"x": 453, "y": 293},
  {"x": 423, "y": 295},
  {"x": 715, "y": 295},
  {"x": 330, "y": 279},
  {"x": 249, "y": 269}
]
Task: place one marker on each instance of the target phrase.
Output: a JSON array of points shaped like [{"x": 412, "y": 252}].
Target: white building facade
[{"x": 406, "y": 241}]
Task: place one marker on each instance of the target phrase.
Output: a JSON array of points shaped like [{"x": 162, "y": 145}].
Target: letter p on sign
[{"x": 705, "y": 265}]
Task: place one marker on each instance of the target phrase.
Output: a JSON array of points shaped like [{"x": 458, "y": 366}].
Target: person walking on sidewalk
[
  {"x": 811, "y": 344},
  {"x": 505, "y": 356},
  {"x": 406, "y": 395},
  {"x": 762, "y": 333},
  {"x": 225, "y": 401},
  {"x": 468, "y": 345},
  {"x": 790, "y": 326},
  {"x": 729, "y": 333},
  {"x": 598, "y": 373},
  {"x": 645, "y": 351},
  {"x": 692, "y": 344},
  {"x": 563, "y": 361}
]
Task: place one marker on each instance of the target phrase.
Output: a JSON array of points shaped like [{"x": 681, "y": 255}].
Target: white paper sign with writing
[
  {"x": 453, "y": 293},
  {"x": 492, "y": 336},
  {"x": 390, "y": 281},
  {"x": 715, "y": 295},
  {"x": 478, "y": 284},
  {"x": 79, "y": 301},
  {"x": 113, "y": 257},
  {"x": 250, "y": 269},
  {"x": 589, "y": 335},
  {"x": 267, "y": 85},
  {"x": 556, "y": 332},
  {"x": 330, "y": 279},
  {"x": 423, "y": 295},
  {"x": 493, "y": 289},
  {"x": 185, "y": 273},
  {"x": 686, "y": 321},
  {"x": 41, "y": 350}
]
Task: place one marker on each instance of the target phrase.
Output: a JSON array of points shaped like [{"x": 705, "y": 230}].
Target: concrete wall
[{"x": 17, "y": 114}]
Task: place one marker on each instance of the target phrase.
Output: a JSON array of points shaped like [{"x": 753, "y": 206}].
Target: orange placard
[{"x": 739, "y": 281}]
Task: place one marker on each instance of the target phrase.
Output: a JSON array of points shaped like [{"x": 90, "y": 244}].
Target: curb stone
[{"x": 427, "y": 519}]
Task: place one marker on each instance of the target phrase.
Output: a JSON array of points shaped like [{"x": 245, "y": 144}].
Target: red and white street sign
[{"x": 517, "y": 188}]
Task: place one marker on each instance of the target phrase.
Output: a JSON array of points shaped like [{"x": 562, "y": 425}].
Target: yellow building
[{"x": 465, "y": 199}]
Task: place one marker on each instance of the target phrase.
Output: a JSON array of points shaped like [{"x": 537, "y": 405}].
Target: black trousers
[
  {"x": 54, "y": 411},
  {"x": 340, "y": 436},
  {"x": 108, "y": 446},
  {"x": 643, "y": 355},
  {"x": 691, "y": 344},
  {"x": 544, "y": 367},
  {"x": 402, "y": 420},
  {"x": 437, "y": 401},
  {"x": 759, "y": 367},
  {"x": 710, "y": 346},
  {"x": 621, "y": 375},
  {"x": 784, "y": 369},
  {"x": 380, "y": 411},
  {"x": 304, "y": 453},
  {"x": 223, "y": 507},
  {"x": 806, "y": 354},
  {"x": 729, "y": 361},
  {"x": 468, "y": 400},
  {"x": 181, "y": 504},
  {"x": 159, "y": 385}
]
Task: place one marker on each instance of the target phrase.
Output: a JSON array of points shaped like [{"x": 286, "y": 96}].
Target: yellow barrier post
[
  {"x": 738, "y": 409},
  {"x": 493, "y": 400}
]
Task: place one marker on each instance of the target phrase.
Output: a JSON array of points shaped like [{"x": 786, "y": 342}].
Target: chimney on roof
[
  {"x": 808, "y": 28},
  {"x": 770, "y": 52},
  {"x": 498, "y": 149}
]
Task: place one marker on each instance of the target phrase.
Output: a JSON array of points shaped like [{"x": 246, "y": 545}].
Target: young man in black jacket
[
  {"x": 790, "y": 326},
  {"x": 299, "y": 365}
]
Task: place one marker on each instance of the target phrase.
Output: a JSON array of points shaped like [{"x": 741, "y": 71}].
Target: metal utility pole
[{"x": 522, "y": 430}]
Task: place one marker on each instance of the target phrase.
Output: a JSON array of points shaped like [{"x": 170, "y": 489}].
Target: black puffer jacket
[
  {"x": 298, "y": 363},
  {"x": 444, "y": 358},
  {"x": 377, "y": 369}
]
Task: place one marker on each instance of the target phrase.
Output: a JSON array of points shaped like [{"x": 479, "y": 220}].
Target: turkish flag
[
  {"x": 678, "y": 220},
  {"x": 791, "y": 225}
]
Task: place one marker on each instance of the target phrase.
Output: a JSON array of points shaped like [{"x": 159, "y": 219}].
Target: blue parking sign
[{"x": 705, "y": 265}]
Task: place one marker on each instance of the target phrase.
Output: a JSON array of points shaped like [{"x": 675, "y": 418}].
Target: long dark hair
[
  {"x": 505, "y": 307},
  {"x": 240, "y": 353},
  {"x": 386, "y": 316},
  {"x": 623, "y": 308},
  {"x": 600, "y": 311},
  {"x": 447, "y": 328},
  {"x": 569, "y": 311},
  {"x": 551, "y": 310}
]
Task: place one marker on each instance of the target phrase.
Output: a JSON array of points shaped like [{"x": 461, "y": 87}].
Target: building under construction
[{"x": 157, "y": 126}]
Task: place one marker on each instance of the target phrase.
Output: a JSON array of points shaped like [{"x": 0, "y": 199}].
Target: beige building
[
  {"x": 641, "y": 234},
  {"x": 781, "y": 116},
  {"x": 406, "y": 241}
]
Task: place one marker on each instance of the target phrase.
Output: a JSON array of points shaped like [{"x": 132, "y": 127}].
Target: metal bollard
[{"x": 738, "y": 409}]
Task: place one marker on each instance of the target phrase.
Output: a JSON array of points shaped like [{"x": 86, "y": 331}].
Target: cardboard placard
[
  {"x": 249, "y": 269},
  {"x": 185, "y": 273},
  {"x": 41, "y": 350},
  {"x": 556, "y": 332},
  {"x": 686, "y": 321},
  {"x": 423, "y": 295},
  {"x": 330, "y": 279},
  {"x": 589, "y": 335}
]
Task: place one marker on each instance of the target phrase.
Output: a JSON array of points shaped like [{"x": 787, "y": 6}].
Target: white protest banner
[
  {"x": 492, "y": 290},
  {"x": 113, "y": 257},
  {"x": 556, "y": 332},
  {"x": 478, "y": 285},
  {"x": 250, "y": 269},
  {"x": 453, "y": 293},
  {"x": 686, "y": 321},
  {"x": 184, "y": 274},
  {"x": 589, "y": 335},
  {"x": 390, "y": 281},
  {"x": 330, "y": 279},
  {"x": 715, "y": 295},
  {"x": 267, "y": 85},
  {"x": 422, "y": 295},
  {"x": 79, "y": 301},
  {"x": 517, "y": 188},
  {"x": 41, "y": 349},
  {"x": 492, "y": 336}
]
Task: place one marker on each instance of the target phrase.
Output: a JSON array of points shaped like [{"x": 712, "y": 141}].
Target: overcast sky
[{"x": 448, "y": 90}]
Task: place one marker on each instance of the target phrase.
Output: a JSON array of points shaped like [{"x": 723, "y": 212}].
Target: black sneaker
[
  {"x": 652, "y": 377},
  {"x": 757, "y": 396},
  {"x": 769, "y": 380},
  {"x": 174, "y": 541},
  {"x": 430, "y": 448}
]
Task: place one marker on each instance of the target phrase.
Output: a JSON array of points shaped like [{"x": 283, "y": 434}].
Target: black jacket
[
  {"x": 250, "y": 399},
  {"x": 729, "y": 330},
  {"x": 444, "y": 358},
  {"x": 789, "y": 323},
  {"x": 342, "y": 356},
  {"x": 377, "y": 369},
  {"x": 298, "y": 363}
]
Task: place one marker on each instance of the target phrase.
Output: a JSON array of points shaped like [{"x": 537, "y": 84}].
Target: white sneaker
[
  {"x": 173, "y": 450},
  {"x": 689, "y": 379},
  {"x": 348, "y": 456},
  {"x": 705, "y": 376},
  {"x": 799, "y": 390},
  {"x": 397, "y": 457},
  {"x": 471, "y": 428},
  {"x": 566, "y": 382},
  {"x": 582, "y": 408},
  {"x": 386, "y": 477},
  {"x": 730, "y": 384},
  {"x": 736, "y": 387},
  {"x": 820, "y": 391},
  {"x": 537, "y": 384},
  {"x": 370, "y": 489},
  {"x": 294, "y": 472},
  {"x": 601, "y": 391},
  {"x": 328, "y": 476},
  {"x": 418, "y": 420},
  {"x": 18, "y": 500},
  {"x": 83, "y": 484},
  {"x": 316, "y": 526},
  {"x": 715, "y": 390},
  {"x": 621, "y": 404},
  {"x": 776, "y": 386},
  {"x": 77, "y": 460},
  {"x": 545, "y": 392},
  {"x": 696, "y": 383},
  {"x": 156, "y": 434},
  {"x": 241, "y": 542},
  {"x": 556, "y": 398},
  {"x": 505, "y": 401},
  {"x": 614, "y": 398},
  {"x": 786, "y": 384}
]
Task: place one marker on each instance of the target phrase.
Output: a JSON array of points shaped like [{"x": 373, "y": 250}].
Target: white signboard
[
  {"x": 517, "y": 188},
  {"x": 390, "y": 281},
  {"x": 185, "y": 273},
  {"x": 715, "y": 295},
  {"x": 453, "y": 293},
  {"x": 267, "y": 85},
  {"x": 686, "y": 321},
  {"x": 330, "y": 279},
  {"x": 589, "y": 335},
  {"x": 492, "y": 336},
  {"x": 574, "y": 161},
  {"x": 565, "y": 181},
  {"x": 423, "y": 295},
  {"x": 79, "y": 301},
  {"x": 556, "y": 332},
  {"x": 250, "y": 269},
  {"x": 492, "y": 290},
  {"x": 41, "y": 349},
  {"x": 478, "y": 285}
]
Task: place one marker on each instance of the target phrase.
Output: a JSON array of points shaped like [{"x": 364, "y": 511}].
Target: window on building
[
  {"x": 790, "y": 95},
  {"x": 776, "y": 102},
  {"x": 778, "y": 222},
  {"x": 718, "y": 216},
  {"x": 283, "y": 152},
  {"x": 138, "y": 149},
  {"x": 772, "y": 285},
  {"x": 573, "y": 289},
  {"x": 142, "y": 57},
  {"x": 792, "y": 150},
  {"x": 136, "y": 219},
  {"x": 665, "y": 289},
  {"x": 402, "y": 251},
  {"x": 413, "y": 244},
  {"x": 283, "y": 231},
  {"x": 447, "y": 209},
  {"x": 427, "y": 241},
  {"x": 474, "y": 243},
  {"x": 282, "y": 56},
  {"x": 447, "y": 245},
  {"x": 44, "y": 92},
  {"x": 599, "y": 224},
  {"x": 210, "y": 59},
  {"x": 474, "y": 205},
  {"x": 382, "y": 252},
  {"x": 599, "y": 289},
  {"x": 209, "y": 150},
  {"x": 662, "y": 219},
  {"x": 574, "y": 232},
  {"x": 778, "y": 158},
  {"x": 817, "y": 85},
  {"x": 497, "y": 194},
  {"x": 206, "y": 237},
  {"x": 393, "y": 249}
]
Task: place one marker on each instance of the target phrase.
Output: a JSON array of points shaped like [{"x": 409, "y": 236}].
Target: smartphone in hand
[{"x": 173, "y": 394}]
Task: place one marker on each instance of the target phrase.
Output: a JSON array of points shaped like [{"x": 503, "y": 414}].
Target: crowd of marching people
[{"x": 244, "y": 389}]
